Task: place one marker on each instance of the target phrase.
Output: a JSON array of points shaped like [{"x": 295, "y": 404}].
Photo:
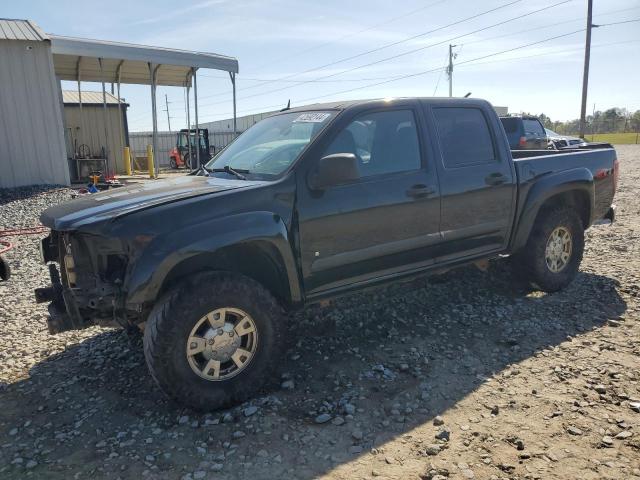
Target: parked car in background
[
  {"x": 563, "y": 141},
  {"x": 525, "y": 133}
]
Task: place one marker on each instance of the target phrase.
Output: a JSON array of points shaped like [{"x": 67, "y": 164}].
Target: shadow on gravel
[{"x": 385, "y": 361}]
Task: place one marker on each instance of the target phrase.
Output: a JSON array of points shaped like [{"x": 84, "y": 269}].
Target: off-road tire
[
  {"x": 187, "y": 161},
  {"x": 172, "y": 163},
  {"x": 530, "y": 263},
  {"x": 170, "y": 323}
]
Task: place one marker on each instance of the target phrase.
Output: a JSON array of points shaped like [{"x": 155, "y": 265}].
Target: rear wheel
[
  {"x": 554, "y": 250},
  {"x": 172, "y": 163},
  {"x": 214, "y": 342}
]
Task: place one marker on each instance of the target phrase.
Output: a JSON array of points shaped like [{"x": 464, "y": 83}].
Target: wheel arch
[
  {"x": 254, "y": 244},
  {"x": 258, "y": 260},
  {"x": 574, "y": 189}
]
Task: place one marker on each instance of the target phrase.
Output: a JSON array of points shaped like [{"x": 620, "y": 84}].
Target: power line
[
  {"x": 424, "y": 72},
  {"x": 353, "y": 34},
  {"x": 388, "y": 45},
  {"x": 617, "y": 23},
  {"x": 409, "y": 52},
  {"x": 467, "y": 64}
]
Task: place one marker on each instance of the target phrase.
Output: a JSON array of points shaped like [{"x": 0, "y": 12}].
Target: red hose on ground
[{"x": 18, "y": 232}]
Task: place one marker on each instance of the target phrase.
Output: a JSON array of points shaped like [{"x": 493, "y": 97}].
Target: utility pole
[
  {"x": 450, "y": 69},
  {"x": 166, "y": 109},
  {"x": 585, "y": 74}
]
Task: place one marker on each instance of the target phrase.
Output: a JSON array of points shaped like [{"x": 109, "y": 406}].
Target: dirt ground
[{"x": 466, "y": 375}]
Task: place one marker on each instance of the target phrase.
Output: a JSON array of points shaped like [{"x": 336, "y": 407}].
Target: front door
[
  {"x": 384, "y": 222},
  {"x": 477, "y": 182}
]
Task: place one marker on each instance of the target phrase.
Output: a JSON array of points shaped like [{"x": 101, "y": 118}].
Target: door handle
[
  {"x": 420, "y": 191},
  {"x": 495, "y": 179}
]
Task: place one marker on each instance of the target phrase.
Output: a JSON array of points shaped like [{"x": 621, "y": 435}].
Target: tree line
[{"x": 613, "y": 120}]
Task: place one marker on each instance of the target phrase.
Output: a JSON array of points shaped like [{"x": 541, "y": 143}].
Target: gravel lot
[{"x": 467, "y": 375}]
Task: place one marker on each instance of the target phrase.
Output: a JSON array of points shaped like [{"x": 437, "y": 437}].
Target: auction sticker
[{"x": 312, "y": 117}]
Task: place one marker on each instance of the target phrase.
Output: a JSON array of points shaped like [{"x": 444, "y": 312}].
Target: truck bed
[{"x": 598, "y": 159}]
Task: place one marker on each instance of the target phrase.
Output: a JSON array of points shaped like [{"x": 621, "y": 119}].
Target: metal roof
[
  {"x": 70, "y": 97},
  {"x": 131, "y": 61},
  {"x": 16, "y": 29}
]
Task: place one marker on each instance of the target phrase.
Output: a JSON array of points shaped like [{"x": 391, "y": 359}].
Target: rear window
[
  {"x": 532, "y": 126},
  {"x": 464, "y": 135},
  {"x": 510, "y": 124}
]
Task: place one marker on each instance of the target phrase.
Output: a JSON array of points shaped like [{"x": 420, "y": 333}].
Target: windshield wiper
[{"x": 231, "y": 171}]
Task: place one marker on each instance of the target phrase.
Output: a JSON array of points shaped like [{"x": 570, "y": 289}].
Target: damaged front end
[{"x": 86, "y": 290}]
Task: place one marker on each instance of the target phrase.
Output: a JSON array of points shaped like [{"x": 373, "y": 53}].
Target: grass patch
[{"x": 616, "y": 138}]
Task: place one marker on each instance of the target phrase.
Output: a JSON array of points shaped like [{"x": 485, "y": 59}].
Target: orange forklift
[{"x": 181, "y": 155}]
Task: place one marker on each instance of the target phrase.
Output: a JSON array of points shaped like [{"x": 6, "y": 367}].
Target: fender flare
[
  {"x": 146, "y": 277},
  {"x": 578, "y": 180}
]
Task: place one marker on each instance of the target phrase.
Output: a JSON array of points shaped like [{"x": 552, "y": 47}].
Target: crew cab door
[
  {"x": 477, "y": 181},
  {"x": 385, "y": 221}
]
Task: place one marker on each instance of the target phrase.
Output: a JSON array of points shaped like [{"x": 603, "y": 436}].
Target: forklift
[{"x": 179, "y": 155}]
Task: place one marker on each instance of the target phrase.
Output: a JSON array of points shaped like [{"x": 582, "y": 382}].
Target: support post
[
  {"x": 585, "y": 73},
  {"x": 127, "y": 160},
  {"x": 106, "y": 120},
  {"x": 195, "y": 106},
  {"x": 189, "y": 124},
  {"x": 450, "y": 70},
  {"x": 166, "y": 106},
  {"x": 78, "y": 76},
  {"x": 150, "y": 162},
  {"x": 126, "y": 157},
  {"x": 153, "y": 72},
  {"x": 233, "y": 84}
]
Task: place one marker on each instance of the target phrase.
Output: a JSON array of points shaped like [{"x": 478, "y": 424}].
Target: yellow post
[
  {"x": 127, "y": 160},
  {"x": 150, "y": 161}
]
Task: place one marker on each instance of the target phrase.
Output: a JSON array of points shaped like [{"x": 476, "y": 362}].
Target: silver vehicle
[{"x": 563, "y": 141}]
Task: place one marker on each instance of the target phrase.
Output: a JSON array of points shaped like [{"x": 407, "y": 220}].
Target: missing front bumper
[{"x": 63, "y": 311}]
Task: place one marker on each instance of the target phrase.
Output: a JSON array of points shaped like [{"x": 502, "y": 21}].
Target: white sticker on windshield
[{"x": 312, "y": 117}]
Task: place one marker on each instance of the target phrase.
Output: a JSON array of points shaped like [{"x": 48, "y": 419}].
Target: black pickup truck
[{"x": 306, "y": 205}]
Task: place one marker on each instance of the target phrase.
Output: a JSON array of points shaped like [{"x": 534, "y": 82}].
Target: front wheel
[
  {"x": 553, "y": 253},
  {"x": 172, "y": 163},
  {"x": 213, "y": 343}
]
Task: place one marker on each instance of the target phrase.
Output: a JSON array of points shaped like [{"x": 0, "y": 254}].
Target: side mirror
[{"x": 335, "y": 169}]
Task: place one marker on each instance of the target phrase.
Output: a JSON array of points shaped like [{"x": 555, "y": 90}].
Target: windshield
[
  {"x": 551, "y": 133},
  {"x": 269, "y": 147}
]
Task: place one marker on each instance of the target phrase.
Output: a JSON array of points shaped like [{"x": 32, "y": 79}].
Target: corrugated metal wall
[
  {"x": 32, "y": 146},
  {"x": 138, "y": 142},
  {"x": 91, "y": 131}
]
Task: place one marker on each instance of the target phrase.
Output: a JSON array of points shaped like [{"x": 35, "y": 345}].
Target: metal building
[
  {"x": 93, "y": 128},
  {"x": 32, "y": 66},
  {"x": 32, "y": 147}
]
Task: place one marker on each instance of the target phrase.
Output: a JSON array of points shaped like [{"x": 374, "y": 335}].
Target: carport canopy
[
  {"x": 88, "y": 60},
  {"x": 129, "y": 63}
]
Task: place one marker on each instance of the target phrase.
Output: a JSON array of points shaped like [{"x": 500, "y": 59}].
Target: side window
[
  {"x": 464, "y": 135},
  {"x": 383, "y": 142}
]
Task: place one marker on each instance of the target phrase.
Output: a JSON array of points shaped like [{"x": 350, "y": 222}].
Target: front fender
[
  {"x": 542, "y": 189},
  {"x": 147, "y": 275}
]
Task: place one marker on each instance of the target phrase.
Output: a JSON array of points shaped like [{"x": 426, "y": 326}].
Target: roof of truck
[{"x": 344, "y": 104}]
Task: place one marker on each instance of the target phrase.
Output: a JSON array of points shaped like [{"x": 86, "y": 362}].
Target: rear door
[
  {"x": 384, "y": 222},
  {"x": 477, "y": 181}
]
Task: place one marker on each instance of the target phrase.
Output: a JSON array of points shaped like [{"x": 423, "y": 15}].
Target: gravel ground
[{"x": 466, "y": 375}]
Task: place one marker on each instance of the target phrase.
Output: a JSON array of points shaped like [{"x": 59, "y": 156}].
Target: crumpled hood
[{"x": 118, "y": 202}]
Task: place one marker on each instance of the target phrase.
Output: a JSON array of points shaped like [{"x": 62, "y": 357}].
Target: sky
[{"x": 317, "y": 51}]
